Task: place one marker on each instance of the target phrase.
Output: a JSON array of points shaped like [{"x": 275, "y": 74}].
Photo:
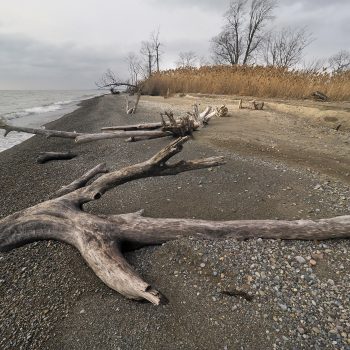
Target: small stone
[
  {"x": 300, "y": 259},
  {"x": 312, "y": 262},
  {"x": 82, "y": 311},
  {"x": 202, "y": 265},
  {"x": 284, "y": 307},
  {"x": 301, "y": 330},
  {"x": 315, "y": 330},
  {"x": 331, "y": 282},
  {"x": 317, "y": 255}
]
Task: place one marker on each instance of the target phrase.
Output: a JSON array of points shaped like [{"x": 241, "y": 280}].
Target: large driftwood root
[{"x": 100, "y": 239}]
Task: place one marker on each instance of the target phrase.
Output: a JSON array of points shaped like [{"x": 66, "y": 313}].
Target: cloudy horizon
[{"x": 68, "y": 45}]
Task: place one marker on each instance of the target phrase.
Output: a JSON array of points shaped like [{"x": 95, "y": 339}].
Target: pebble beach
[{"x": 228, "y": 294}]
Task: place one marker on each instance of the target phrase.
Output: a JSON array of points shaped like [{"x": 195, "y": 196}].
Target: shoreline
[
  {"x": 37, "y": 120},
  {"x": 49, "y": 298}
]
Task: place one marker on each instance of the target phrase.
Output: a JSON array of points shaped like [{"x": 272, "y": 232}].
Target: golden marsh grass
[{"x": 249, "y": 81}]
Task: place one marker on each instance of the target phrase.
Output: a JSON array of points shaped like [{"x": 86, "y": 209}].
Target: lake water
[{"x": 34, "y": 108}]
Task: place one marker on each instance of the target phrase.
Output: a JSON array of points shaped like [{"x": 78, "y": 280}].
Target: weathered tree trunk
[
  {"x": 100, "y": 238},
  {"x": 43, "y": 132},
  {"x": 144, "y": 138},
  {"x": 146, "y": 126},
  {"x": 48, "y": 156},
  {"x": 82, "y": 137},
  {"x": 177, "y": 127}
]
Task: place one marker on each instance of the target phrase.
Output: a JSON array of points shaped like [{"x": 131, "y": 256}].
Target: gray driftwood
[
  {"x": 82, "y": 137},
  {"x": 48, "y": 156},
  {"x": 100, "y": 238}
]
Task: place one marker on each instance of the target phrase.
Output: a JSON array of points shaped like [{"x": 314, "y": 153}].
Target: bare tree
[
  {"x": 135, "y": 68},
  {"x": 285, "y": 47},
  {"x": 340, "y": 62},
  {"x": 243, "y": 32},
  {"x": 156, "y": 47},
  {"x": 148, "y": 53},
  {"x": 110, "y": 80},
  {"x": 187, "y": 59}
]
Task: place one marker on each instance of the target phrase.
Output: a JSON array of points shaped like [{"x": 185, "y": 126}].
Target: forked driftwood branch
[
  {"x": 100, "y": 239},
  {"x": 132, "y": 110}
]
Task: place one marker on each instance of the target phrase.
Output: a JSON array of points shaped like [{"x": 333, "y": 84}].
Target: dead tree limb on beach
[
  {"x": 47, "y": 133},
  {"x": 145, "y": 126},
  {"x": 111, "y": 81},
  {"x": 101, "y": 238},
  {"x": 48, "y": 156},
  {"x": 83, "y": 137},
  {"x": 132, "y": 110},
  {"x": 208, "y": 113}
]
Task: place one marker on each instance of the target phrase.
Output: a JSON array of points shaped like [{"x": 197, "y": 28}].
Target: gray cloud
[
  {"x": 29, "y": 60},
  {"x": 204, "y": 5},
  {"x": 38, "y": 51}
]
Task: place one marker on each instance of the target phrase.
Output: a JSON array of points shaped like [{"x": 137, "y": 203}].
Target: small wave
[
  {"x": 63, "y": 103},
  {"x": 52, "y": 107}
]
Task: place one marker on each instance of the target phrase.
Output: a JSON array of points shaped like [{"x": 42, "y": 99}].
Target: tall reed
[{"x": 255, "y": 81}]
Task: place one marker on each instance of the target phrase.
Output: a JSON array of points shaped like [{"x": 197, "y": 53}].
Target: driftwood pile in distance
[
  {"x": 256, "y": 105},
  {"x": 100, "y": 239}
]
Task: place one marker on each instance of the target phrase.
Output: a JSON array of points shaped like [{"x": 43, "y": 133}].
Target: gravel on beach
[{"x": 255, "y": 294}]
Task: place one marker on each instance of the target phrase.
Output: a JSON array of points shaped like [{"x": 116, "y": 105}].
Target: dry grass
[{"x": 249, "y": 81}]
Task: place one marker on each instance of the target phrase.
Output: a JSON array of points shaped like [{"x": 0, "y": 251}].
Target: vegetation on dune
[{"x": 246, "y": 80}]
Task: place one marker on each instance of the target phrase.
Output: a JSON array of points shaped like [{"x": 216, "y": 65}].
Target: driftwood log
[
  {"x": 82, "y": 137},
  {"x": 319, "y": 96},
  {"x": 48, "y": 156},
  {"x": 174, "y": 126},
  {"x": 101, "y": 239},
  {"x": 132, "y": 110},
  {"x": 145, "y": 126}
]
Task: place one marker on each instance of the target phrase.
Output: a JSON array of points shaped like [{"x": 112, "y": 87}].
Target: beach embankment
[{"x": 50, "y": 299}]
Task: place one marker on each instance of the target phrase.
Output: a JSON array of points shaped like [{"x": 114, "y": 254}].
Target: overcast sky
[{"x": 61, "y": 44}]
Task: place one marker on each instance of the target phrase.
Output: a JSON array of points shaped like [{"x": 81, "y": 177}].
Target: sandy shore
[{"x": 49, "y": 298}]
